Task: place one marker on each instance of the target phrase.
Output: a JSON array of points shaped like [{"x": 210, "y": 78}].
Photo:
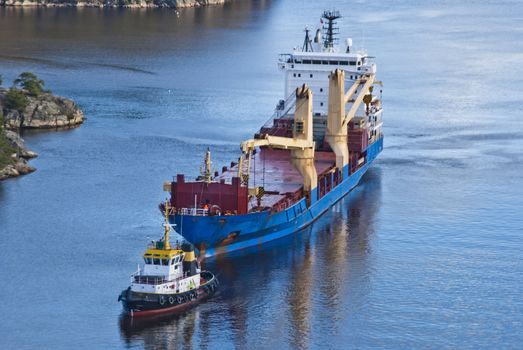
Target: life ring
[
  {"x": 179, "y": 299},
  {"x": 171, "y": 300},
  {"x": 162, "y": 300}
]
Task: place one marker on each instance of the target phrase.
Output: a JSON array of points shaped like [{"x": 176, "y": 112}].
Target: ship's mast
[
  {"x": 329, "y": 29},
  {"x": 166, "y": 244},
  {"x": 307, "y": 42}
]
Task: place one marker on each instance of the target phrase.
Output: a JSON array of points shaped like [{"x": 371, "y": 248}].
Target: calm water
[{"x": 426, "y": 253}]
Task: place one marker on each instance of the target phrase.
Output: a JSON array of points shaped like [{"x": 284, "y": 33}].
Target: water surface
[{"x": 425, "y": 253}]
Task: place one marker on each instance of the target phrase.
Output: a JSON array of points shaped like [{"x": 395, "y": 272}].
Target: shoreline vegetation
[
  {"x": 28, "y": 105},
  {"x": 174, "y": 4}
]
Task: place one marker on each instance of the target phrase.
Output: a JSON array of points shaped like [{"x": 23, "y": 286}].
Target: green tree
[
  {"x": 16, "y": 99},
  {"x": 30, "y": 83}
]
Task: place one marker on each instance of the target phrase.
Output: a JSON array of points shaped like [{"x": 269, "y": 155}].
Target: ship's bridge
[
  {"x": 313, "y": 69},
  {"x": 161, "y": 257}
]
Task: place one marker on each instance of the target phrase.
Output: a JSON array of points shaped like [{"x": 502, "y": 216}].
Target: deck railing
[{"x": 193, "y": 211}]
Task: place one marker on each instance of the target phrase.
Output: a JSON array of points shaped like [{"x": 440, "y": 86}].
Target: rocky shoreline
[
  {"x": 45, "y": 111},
  {"x": 18, "y": 165},
  {"x": 112, "y": 3}
]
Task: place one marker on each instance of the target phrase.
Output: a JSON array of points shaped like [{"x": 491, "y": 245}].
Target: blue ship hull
[{"x": 257, "y": 228}]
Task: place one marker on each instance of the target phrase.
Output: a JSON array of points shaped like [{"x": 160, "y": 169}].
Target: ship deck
[{"x": 272, "y": 169}]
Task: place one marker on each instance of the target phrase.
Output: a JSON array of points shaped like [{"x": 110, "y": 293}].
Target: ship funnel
[
  {"x": 189, "y": 261},
  {"x": 317, "y": 38}
]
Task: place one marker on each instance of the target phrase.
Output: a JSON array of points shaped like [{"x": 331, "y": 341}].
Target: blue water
[{"x": 426, "y": 253}]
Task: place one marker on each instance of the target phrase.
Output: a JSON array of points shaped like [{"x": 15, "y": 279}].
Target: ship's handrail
[{"x": 193, "y": 211}]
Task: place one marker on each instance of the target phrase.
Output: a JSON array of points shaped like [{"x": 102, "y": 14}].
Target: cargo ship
[{"x": 314, "y": 149}]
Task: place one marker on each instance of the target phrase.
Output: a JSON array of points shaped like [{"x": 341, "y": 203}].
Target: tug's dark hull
[{"x": 147, "y": 304}]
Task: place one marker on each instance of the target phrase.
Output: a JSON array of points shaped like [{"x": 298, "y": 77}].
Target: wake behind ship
[{"x": 315, "y": 148}]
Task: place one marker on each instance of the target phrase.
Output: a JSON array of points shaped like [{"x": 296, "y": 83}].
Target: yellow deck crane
[
  {"x": 338, "y": 119},
  {"x": 301, "y": 144}
]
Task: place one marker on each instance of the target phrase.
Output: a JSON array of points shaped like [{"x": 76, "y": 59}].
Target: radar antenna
[{"x": 330, "y": 31}]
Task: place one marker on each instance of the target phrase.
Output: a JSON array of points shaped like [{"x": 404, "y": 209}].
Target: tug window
[
  {"x": 148, "y": 260},
  {"x": 173, "y": 261},
  {"x": 316, "y": 62},
  {"x": 165, "y": 262},
  {"x": 156, "y": 261},
  {"x": 325, "y": 62},
  {"x": 306, "y": 61}
]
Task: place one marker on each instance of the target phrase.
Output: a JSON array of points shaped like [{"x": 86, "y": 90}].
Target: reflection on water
[{"x": 306, "y": 276}]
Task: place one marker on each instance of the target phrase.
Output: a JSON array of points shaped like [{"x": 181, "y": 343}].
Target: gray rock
[
  {"x": 18, "y": 143},
  {"x": 44, "y": 111}
]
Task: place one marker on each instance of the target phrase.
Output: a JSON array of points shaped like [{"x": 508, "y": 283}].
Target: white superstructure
[{"x": 312, "y": 63}]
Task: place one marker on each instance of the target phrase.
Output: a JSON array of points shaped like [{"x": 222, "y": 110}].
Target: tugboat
[{"x": 171, "y": 279}]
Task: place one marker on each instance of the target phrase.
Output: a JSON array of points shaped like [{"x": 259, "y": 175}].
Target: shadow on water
[{"x": 320, "y": 268}]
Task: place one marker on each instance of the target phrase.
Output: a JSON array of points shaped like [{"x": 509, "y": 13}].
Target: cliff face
[
  {"x": 44, "y": 111},
  {"x": 111, "y": 3}
]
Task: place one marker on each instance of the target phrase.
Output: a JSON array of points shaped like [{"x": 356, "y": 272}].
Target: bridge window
[
  {"x": 325, "y": 62},
  {"x": 333, "y": 63},
  {"x": 311, "y": 75},
  {"x": 344, "y": 63},
  {"x": 307, "y": 61},
  {"x": 316, "y": 62},
  {"x": 297, "y": 61}
]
